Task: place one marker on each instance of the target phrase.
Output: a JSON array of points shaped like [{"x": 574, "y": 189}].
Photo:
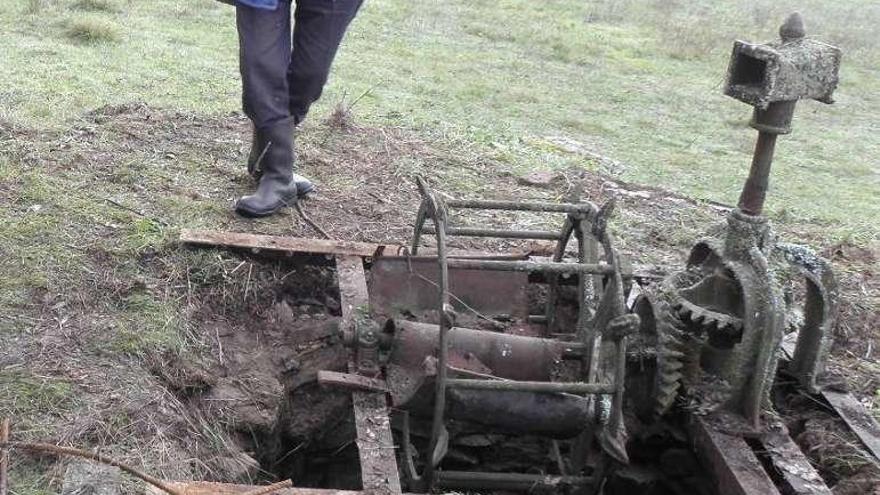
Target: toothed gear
[
  {"x": 670, "y": 362},
  {"x": 661, "y": 322},
  {"x": 707, "y": 319}
]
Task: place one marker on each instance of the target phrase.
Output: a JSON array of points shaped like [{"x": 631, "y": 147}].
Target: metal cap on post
[{"x": 772, "y": 77}]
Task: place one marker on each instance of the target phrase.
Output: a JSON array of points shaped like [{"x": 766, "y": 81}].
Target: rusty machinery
[
  {"x": 727, "y": 308},
  {"x": 579, "y": 349},
  {"x": 714, "y": 329}
]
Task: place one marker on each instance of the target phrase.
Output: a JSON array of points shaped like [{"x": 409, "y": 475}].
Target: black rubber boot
[
  {"x": 258, "y": 151},
  {"x": 277, "y": 188}
]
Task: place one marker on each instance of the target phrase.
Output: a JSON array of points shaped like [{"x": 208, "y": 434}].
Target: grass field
[
  {"x": 471, "y": 93},
  {"x": 637, "y": 81}
]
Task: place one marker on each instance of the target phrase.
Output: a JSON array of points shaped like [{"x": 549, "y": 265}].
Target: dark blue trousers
[{"x": 283, "y": 74}]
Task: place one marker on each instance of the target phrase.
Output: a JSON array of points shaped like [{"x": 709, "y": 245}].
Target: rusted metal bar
[
  {"x": 437, "y": 446},
  {"x": 465, "y": 480},
  {"x": 530, "y": 266},
  {"x": 499, "y": 233},
  {"x": 4, "y": 457},
  {"x": 351, "y": 381},
  {"x": 550, "y": 387},
  {"x": 374, "y": 439},
  {"x": 476, "y": 204},
  {"x": 553, "y": 279},
  {"x": 616, "y": 419},
  {"x": 421, "y": 218},
  {"x": 437, "y": 450},
  {"x": 736, "y": 469}
]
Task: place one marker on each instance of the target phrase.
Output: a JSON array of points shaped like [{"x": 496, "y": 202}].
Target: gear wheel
[
  {"x": 663, "y": 330},
  {"x": 670, "y": 361}
]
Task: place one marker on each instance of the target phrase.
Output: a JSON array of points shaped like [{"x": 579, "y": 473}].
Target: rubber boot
[
  {"x": 277, "y": 188},
  {"x": 259, "y": 142}
]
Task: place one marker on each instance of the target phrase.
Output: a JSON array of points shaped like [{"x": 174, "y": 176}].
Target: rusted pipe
[
  {"x": 531, "y": 266},
  {"x": 518, "y": 386},
  {"x": 514, "y": 357}
]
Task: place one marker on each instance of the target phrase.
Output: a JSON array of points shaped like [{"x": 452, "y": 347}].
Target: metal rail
[
  {"x": 498, "y": 233},
  {"x": 546, "y": 207}
]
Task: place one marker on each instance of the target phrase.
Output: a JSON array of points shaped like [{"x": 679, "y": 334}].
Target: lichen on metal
[{"x": 793, "y": 68}]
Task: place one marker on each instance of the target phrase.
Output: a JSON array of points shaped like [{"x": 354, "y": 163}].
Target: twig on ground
[
  {"x": 266, "y": 490},
  {"x": 310, "y": 222},
  {"x": 359, "y": 98},
  {"x": 136, "y": 212},
  {"x": 55, "y": 449},
  {"x": 4, "y": 458}
]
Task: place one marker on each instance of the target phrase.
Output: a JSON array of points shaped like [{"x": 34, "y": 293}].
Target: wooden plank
[
  {"x": 374, "y": 439},
  {"x": 304, "y": 245},
  {"x": 210, "y": 488},
  {"x": 847, "y": 407},
  {"x": 857, "y": 418},
  {"x": 352, "y": 382},
  {"x": 285, "y": 244},
  {"x": 736, "y": 469},
  {"x": 794, "y": 467}
]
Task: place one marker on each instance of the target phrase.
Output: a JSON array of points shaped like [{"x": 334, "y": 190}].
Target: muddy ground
[{"x": 202, "y": 395}]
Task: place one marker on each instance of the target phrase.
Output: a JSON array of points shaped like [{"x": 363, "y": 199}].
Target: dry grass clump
[
  {"x": 92, "y": 30},
  {"x": 95, "y": 5}
]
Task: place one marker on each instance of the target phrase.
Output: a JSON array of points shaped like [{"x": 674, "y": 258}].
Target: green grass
[
  {"x": 638, "y": 81},
  {"x": 25, "y": 394}
]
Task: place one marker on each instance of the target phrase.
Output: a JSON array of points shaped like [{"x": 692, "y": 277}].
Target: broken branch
[
  {"x": 55, "y": 449},
  {"x": 4, "y": 458},
  {"x": 309, "y": 221}
]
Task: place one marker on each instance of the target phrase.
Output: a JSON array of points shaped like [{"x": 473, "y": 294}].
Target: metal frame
[{"x": 601, "y": 298}]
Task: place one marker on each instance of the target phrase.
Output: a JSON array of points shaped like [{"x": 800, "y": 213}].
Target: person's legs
[
  {"x": 264, "y": 58},
  {"x": 318, "y": 29}
]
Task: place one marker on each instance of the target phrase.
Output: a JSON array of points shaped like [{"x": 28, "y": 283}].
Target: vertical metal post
[
  {"x": 751, "y": 200},
  {"x": 417, "y": 230},
  {"x": 770, "y": 122},
  {"x": 553, "y": 279},
  {"x": 437, "y": 212},
  {"x": 586, "y": 254}
]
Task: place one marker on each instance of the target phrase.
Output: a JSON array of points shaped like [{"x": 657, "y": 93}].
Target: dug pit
[{"x": 279, "y": 324}]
